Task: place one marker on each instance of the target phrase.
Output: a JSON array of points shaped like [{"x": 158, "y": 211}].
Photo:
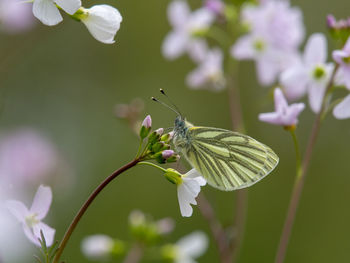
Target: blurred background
[{"x": 63, "y": 84}]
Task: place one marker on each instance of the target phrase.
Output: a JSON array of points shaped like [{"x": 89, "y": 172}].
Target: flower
[
  {"x": 342, "y": 110},
  {"x": 284, "y": 115},
  {"x": 166, "y": 154},
  {"x": 147, "y": 122},
  {"x": 276, "y": 31},
  {"x": 25, "y": 156},
  {"x": 47, "y": 11},
  {"x": 209, "y": 73},
  {"x": 15, "y": 16},
  {"x": 342, "y": 57},
  {"x": 102, "y": 21},
  {"x": 185, "y": 26},
  {"x": 311, "y": 75},
  {"x": 188, "y": 188},
  {"x": 215, "y": 6},
  {"x": 187, "y": 248},
  {"x": 31, "y": 218},
  {"x": 97, "y": 246}
]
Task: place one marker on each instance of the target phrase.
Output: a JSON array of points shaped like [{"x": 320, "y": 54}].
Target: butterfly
[{"x": 227, "y": 160}]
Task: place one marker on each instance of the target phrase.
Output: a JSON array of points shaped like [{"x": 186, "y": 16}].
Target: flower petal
[
  {"x": 280, "y": 102},
  {"x": 97, "y": 246},
  {"x": 42, "y": 202},
  {"x": 30, "y": 235},
  {"x": 18, "y": 209},
  {"x": 193, "y": 245},
  {"x": 183, "y": 198},
  {"x": 316, "y": 93},
  {"x": 174, "y": 44},
  {"x": 271, "y": 117},
  {"x": 70, "y": 6},
  {"x": 342, "y": 110},
  {"x": 315, "y": 49},
  {"x": 194, "y": 174},
  {"x": 243, "y": 48},
  {"x": 267, "y": 71},
  {"x": 103, "y": 22},
  {"x": 197, "y": 50},
  {"x": 48, "y": 232},
  {"x": 178, "y": 13},
  {"x": 46, "y": 12},
  {"x": 294, "y": 80}
]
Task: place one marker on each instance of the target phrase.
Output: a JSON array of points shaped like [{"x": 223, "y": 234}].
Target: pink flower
[
  {"x": 16, "y": 16},
  {"x": 25, "y": 156},
  {"x": 342, "y": 57},
  {"x": 31, "y": 218},
  {"x": 215, "y": 6},
  {"x": 284, "y": 115},
  {"x": 311, "y": 75},
  {"x": 185, "y": 25},
  {"x": 342, "y": 110},
  {"x": 147, "y": 122},
  {"x": 166, "y": 154}
]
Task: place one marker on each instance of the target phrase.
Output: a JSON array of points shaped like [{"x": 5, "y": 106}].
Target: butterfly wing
[{"x": 228, "y": 160}]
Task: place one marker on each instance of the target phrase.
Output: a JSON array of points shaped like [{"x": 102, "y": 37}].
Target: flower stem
[
  {"x": 297, "y": 153},
  {"x": 153, "y": 165},
  {"x": 300, "y": 177},
  {"x": 86, "y": 205}
]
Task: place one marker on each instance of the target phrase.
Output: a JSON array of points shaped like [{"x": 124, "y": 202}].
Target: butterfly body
[{"x": 227, "y": 160}]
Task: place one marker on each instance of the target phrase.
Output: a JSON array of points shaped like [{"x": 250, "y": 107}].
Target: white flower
[
  {"x": 185, "y": 26},
  {"x": 31, "y": 218},
  {"x": 342, "y": 110},
  {"x": 190, "y": 247},
  {"x": 47, "y": 11},
  {"x": 276, "y": 31},
  {"x": 311, "y": 75},
  {"x": 103, "y": 22},
  {"x": 187, "y": 191},
  {"x": 209, "y": 73},
  {"x": 97, "y": 246}
]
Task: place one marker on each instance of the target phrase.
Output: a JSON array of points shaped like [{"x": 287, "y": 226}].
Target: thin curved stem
[
  {"x": 297, "y": 153},
  {"x": 299, "y": 179},
  {"x": 86, "y": 205},
  {"x": 153, "y": 165}
]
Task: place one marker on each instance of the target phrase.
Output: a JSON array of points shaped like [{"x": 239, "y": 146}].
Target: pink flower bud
[
  {"x": 171, "y": 135},
  {"x": 159, "y": 131},
  {"x": 147, "y": 122},
  {"x": 167, "y": 154}
]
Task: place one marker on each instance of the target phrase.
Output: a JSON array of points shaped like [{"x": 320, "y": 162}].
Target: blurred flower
[
  {"x": 131, "y": 113},
  {"x": 97, "y": 247},
  {"x": 333, "y": 24},
  {"x": 342, "y": 57},
  {"x": 15, "y": 16},
  {"x": 186, "y": 28},
  {"x": 215, "y": 6},
  {"x": 342, "y": 110},
  {"x": 102, "y": 21},
  {"x": 31, "y": 219},
  {"x": 25, "y": 156},
  {"x": 209, "y": 73},
  {"x": 188, "y": 188},
  {"x": 276, "y": 31},
  {"x": 284, "y": 115},
  {"x": 311, "y": 75},
  {"x": 187, "y": 248},
  {"x": 48, "y": 13}
]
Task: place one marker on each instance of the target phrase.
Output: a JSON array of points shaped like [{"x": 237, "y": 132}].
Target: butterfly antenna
[
  {"x": 166, "y": 105},
  {"x": 171, "y": 102}
]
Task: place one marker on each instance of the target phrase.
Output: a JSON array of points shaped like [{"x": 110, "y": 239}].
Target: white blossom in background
[
  {"x": 187, "y": 191},
  {"x": 97, "y": 247},
  {"x": 190, "y": 247},
  {"x": 285, "y": 115},
  {"x": 276, "y": 31},
  {"x": 311, "y": 75},
  {"x": 31, "y": 219},
  {"x": 15, "y": 16},
  {"x": 209, "y": 74},
  {"x": 102, "y": 21},
  {"x": 25, "y": 157},
  {"x": 186, "y": 25},
  {"x": 48, "y": 13}
]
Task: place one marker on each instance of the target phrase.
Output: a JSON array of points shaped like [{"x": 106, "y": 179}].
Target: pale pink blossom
[
  {"x": 311, "y": 75},
  {"x": 284, "y": 114},
  {"x": 31, "y": 219},
  {"x": 209, "y": 74},
  {"x": 186, "y": 25},
  {"x": 15, "y": 16},
  {"x": 215, "y": 6},
  {"x": 342, "y": 110},
  {"x": 342, "y": 57}
]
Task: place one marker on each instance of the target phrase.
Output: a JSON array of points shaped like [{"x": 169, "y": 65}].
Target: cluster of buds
[
  {"x": 158, "y": 143},
  {"x": 340, "y": 29}
]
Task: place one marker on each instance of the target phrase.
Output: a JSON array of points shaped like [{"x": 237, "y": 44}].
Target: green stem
[
  {"x": 297, "y": 153},
  {"x": 86, "y": 205},
  {"x": 153, "y": 165},
  {"x": 139, "y": 149}
]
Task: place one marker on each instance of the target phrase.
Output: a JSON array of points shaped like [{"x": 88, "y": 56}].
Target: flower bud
[
  {"x": 173, "y": 158},
  {"x": 173, "y": 176},
  {"x": 146, "y": 127},
  {"x": 167, "y": 137},
  {"x": 167, "y": 154},
  {"x": 159, "y": 146},
  {"x": 159, "y": 131}
]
